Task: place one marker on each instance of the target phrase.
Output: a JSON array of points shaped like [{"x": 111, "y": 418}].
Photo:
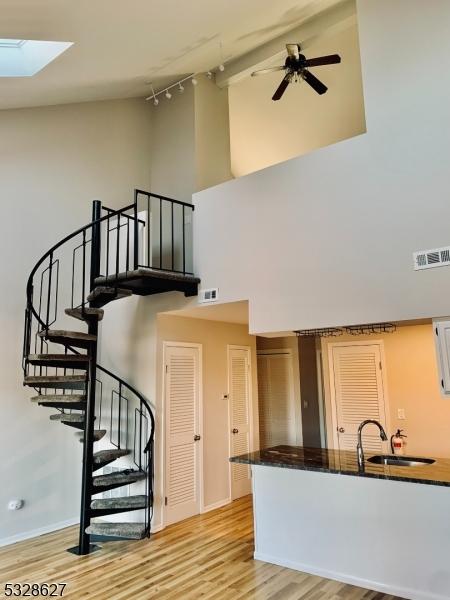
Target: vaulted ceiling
[{"x": 119, "y": 47}]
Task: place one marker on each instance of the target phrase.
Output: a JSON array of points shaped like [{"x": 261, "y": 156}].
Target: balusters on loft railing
[{"x": 167, "y": 243}]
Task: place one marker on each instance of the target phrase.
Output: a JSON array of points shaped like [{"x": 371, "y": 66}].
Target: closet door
[
  {"x": 240, "y": 417},
  {"x": 183, "y": 436},
  {"x": 276, "y": 400},
  {"x": 358, "y": 394}
]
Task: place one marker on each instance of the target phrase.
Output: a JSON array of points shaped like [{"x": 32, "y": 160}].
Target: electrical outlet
[{"x": 401, "y": 413}]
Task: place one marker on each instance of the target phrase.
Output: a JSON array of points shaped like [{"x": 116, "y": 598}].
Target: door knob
[
  {"x": 196, "y": 438},
  {"x": 341, "y": 430},
  {"x": 235, "y": 430}
]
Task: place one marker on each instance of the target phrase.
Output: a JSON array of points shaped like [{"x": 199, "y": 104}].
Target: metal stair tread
[
  {"x": 121, "y": 477},
  {"x": 109, "y": 455},
  {"x": 135, "y": 531},
  {"x": 77, "y": 313},
  {"x": 98, "y": 434},
  {"x": 102, "y": 295},
  {"x": 70, "y": 361},
  {"x": 68, "y": 338},
  {"x": 59, "y": 398},
  {"x": 69, "y": 417},
  {"x": 56, "y": 381},
  {"x": 132, "y": 502},
  {"x": 147, "y": 272}
]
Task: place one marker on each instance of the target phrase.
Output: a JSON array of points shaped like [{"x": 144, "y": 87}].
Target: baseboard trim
[
  {"x": 349, "y": 579},
  {"x": 215, "y": 505},
  {"x": 27, "y": 535}
]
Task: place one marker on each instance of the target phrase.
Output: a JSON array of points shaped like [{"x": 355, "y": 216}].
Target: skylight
[
  {"x": 24, "y": 58},
  {"x": 11, "y": 43}
]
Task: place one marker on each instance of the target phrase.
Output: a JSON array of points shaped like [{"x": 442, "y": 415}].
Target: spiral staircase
[{"x": 144, "y": 248}]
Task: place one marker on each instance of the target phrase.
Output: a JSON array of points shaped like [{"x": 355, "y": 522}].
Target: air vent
[
  {"x": 429, "y": 259},
  {"x": 210, "y": 295}
]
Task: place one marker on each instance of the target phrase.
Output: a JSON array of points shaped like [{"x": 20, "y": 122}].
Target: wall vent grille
[
  {"x": 429, "y": 259},
  {"x": 210, "y": 295}
]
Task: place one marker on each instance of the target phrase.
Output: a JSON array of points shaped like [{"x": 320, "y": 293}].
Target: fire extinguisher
[{"x": 397, "y": 442}]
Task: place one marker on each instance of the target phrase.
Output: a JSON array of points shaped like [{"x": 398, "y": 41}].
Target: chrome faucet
[{"x": 359, "y": 448}]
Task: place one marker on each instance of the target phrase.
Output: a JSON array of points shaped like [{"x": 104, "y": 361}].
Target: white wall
[
  {"x": 264, "y": 132},
  {"x": 173, "y": 145},
  {"x": 53, "y": 162},
  {"x": 191, "y": 140},
  {"x": 327, "y": 238}
]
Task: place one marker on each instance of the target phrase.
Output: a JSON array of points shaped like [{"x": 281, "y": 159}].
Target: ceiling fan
[{"x": 296, "y": 67}]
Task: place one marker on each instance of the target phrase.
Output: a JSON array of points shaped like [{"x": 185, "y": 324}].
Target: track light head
[
  {"x": 222, "y": 68},
  {"x": 180, "y": 88},
  {"x": 155, "y": 101},
  {"x": 194, "y": 81},
  {"x": 168, "y": 95},
  {"x": 209, "y": 75}
]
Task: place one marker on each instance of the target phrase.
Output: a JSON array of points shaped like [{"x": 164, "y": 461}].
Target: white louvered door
[
  {"x": 359, "y": 394},
  {"x": 182, "y": 457},
  {"x": 277, "y": 423},
  {"x": 240, "y": 418}
]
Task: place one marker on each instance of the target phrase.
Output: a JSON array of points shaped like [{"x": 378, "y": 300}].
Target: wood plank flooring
[{"x": 208, "y": 557}]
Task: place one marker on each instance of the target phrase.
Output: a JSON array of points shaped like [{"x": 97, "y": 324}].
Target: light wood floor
[{"x": 208, "y": 557}]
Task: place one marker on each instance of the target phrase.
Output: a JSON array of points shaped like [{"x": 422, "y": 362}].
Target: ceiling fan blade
[
  {"x": 315, "y": 83},
  {"x": 270, "y": 70},
  {"x": 282, "y": 87},
  {"x": 331, "y": 59},
  {"x": 293, "y": 50}
]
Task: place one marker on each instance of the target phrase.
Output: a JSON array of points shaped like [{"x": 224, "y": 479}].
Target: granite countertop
[{"x": 345, "y": 463}]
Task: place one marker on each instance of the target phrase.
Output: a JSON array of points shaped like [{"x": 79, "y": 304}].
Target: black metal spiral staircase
[{"x": 143, "y": 248}]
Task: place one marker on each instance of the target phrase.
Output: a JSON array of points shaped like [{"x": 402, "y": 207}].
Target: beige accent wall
[
  {"x": 264, "y": 132},
  {"x": 53, "y": 162},
  {"x": 412, "y": 383},
  {"x": 214, "y": 337}
]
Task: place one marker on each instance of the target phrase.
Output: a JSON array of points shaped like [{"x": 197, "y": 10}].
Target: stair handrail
[
  {"x": 110, "y": 214},
  {"x": 49, "y": 253}
]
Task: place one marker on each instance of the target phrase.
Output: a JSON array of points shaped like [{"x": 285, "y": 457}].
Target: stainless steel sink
[{"x": 399, "y": 461}]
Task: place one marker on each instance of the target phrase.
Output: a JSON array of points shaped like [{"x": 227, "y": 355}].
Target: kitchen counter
[
  {"x": 345, "y": 463},
  {"x": 372, "y": 529}
]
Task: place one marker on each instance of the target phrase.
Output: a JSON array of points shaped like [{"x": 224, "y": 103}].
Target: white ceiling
[{"x": 119, "y": 47}]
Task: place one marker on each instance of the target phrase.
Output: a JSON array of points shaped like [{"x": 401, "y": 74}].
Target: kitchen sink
[{"x": 400, "y": 461}]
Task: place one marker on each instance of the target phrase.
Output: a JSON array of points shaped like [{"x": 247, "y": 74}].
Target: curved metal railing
[{"x": 63, "y": 278}]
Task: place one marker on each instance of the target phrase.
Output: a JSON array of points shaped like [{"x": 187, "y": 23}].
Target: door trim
[
  {"x": 250, "y": 407},
  {"x": 166, "y": 345},
  {"x": 331, "y": 345}
]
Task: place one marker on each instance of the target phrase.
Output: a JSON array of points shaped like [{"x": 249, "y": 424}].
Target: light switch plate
[{"x": 401, "y": 413}]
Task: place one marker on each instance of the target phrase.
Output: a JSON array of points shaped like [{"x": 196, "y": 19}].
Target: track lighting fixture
[
  {"x": 177, "y": 85},
  {"x": 209, "y": 75},
  {"x": 222, "y": 68}
]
